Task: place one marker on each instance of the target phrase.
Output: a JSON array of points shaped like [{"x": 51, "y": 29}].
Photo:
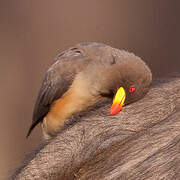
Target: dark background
[{"x": 33, "y": 32}]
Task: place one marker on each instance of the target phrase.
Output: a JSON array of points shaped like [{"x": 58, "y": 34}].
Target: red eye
[{"x": 132, "y": 89}]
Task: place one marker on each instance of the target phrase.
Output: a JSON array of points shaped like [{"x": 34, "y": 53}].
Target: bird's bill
[{"x": 118, "y": 101}]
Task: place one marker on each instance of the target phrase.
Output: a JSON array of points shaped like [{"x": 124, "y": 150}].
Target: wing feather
[
  {"x": 60, "y": 75},
  {"x": 57, "y": 80}
]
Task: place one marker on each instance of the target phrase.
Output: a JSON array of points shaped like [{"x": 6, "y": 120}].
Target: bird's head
[
  {"x": 126, "y": 82},
  {"x": 133, "y": 86}
]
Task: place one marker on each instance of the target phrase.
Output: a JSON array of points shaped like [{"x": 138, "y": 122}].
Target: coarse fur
[{"x": 141, "y": 142}]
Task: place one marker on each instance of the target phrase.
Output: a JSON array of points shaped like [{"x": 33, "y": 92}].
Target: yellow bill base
[{"x": 118, "y": 101}]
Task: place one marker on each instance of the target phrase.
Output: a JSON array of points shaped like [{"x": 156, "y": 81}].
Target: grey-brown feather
[
  {"x": 57, "y": 80},
  {"x": 59, "y": 77}
]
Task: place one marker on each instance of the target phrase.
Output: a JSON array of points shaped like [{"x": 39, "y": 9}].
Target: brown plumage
[{"x": 84, "y": 75}]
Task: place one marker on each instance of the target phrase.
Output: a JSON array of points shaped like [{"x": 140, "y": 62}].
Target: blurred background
[{"x": 33, "y": 32}]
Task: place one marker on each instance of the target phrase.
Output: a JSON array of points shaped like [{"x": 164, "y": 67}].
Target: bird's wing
[
  {"x": 52, "y": 88},
  {"x": 57, "y": 81}
]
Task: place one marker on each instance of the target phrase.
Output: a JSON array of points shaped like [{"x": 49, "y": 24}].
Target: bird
[{"x": 84, "y": 75}]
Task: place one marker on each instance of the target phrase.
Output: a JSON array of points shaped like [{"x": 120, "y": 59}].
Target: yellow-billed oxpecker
[{"x": 85, "y": 75}]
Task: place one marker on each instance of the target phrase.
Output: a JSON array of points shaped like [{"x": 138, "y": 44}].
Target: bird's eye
[{"x": 132, "y": 89}]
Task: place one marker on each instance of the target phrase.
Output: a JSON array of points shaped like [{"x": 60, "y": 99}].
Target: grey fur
[{"x": 141, "y": 142}]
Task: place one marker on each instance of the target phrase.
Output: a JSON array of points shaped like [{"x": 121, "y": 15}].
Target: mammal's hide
[{"x": 141, "y": 142}]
